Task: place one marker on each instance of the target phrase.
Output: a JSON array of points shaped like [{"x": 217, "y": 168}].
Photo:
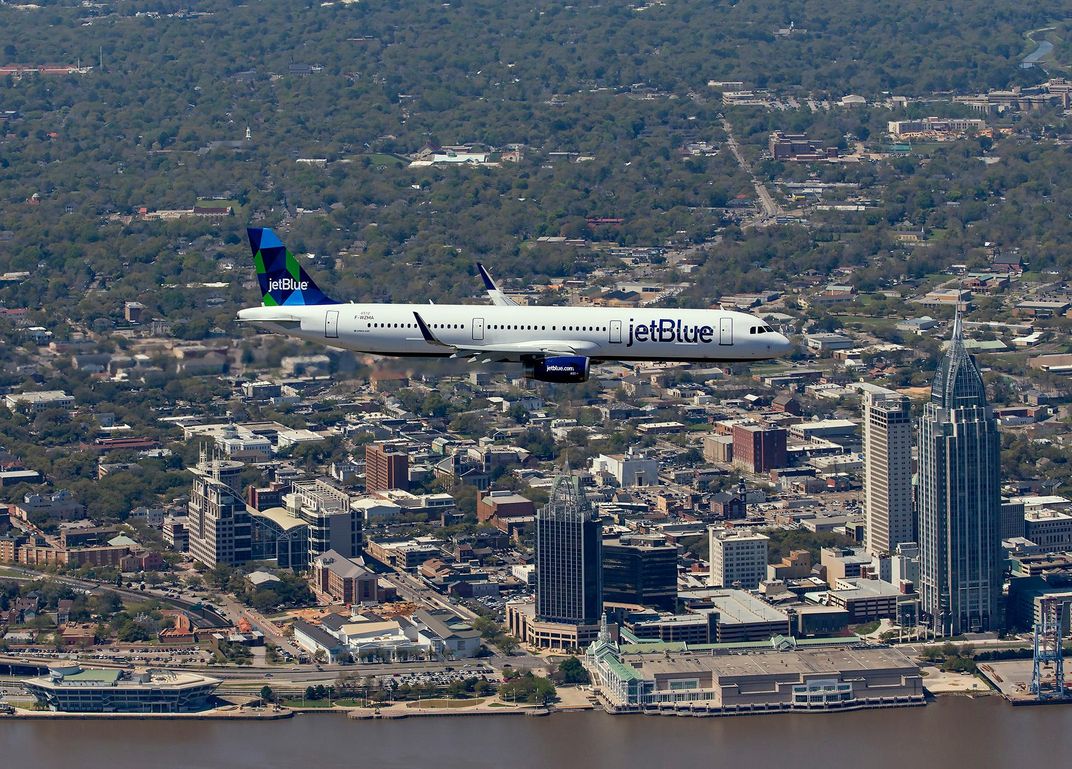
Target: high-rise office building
[
  {"x": 326, "y": 510},
  {"x": 640, "y": 569},
  {"x": 959, "y": 499},
  {"x": 218, "y": 523},
  {"x": 888, "y": 503},
  {"x": 386, "y": 468},
  {"x": 738, "y": 557},
  {"x": 1012, "y": 519},
  {"x": 569, "y": 566},
  {"x": 314, "y": 517},
  {"x": 569, "y": 574}
]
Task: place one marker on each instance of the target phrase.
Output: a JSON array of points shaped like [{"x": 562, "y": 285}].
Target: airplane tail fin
[{"x": 282, "y": 279}]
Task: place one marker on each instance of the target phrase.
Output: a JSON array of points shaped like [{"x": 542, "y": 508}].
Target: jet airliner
[{"x": 554, "y": 344}]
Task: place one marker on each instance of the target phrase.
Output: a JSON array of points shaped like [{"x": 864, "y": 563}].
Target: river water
[{"x": 951, "y": 732}]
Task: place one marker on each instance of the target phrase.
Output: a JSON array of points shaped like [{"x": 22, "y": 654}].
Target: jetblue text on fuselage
[
  {"x": 667, "y": 330},
  {"x": 287, "y": 284}
]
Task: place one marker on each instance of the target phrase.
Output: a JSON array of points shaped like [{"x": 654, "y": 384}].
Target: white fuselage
[{"x": 598, "y": 333}]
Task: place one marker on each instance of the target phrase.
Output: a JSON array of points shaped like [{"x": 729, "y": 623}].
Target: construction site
[{"x": 1041, "y": 679}]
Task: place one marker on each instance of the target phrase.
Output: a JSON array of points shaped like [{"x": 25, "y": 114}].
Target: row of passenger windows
[
  {"x": 414, "y": 325},
  {"x": 761, "y": 330},
  {"x": 493, "y": 327}
]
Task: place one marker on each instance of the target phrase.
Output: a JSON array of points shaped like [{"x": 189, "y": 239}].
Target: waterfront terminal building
[
  {"x": 72, "y": 689},
  {"x": 731, "y": 679}
]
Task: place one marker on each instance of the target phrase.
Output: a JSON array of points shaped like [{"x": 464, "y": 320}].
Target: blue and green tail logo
[{"x": 283, "y": 280}]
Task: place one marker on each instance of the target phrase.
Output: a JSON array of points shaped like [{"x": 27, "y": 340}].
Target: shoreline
[
  {"x": 207, "y": 715},
  {"x": 977, "y": 734},
  {"x": 400, "y": 713}
]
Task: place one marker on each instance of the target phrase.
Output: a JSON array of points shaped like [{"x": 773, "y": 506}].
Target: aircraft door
[
  {"x": 331, "y": 325},
  {"x": 478, "y": 329},
  {"x": 725, "y": 331},
  {"x": 615, "y": 332}
]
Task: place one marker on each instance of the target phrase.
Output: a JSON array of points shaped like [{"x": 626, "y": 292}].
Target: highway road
[
  {"x": 257, "y": 672},
  {"x": 203, "y": 618},
  {"x": 770, "y": 208},
  {"x": 247, "y": 679}
]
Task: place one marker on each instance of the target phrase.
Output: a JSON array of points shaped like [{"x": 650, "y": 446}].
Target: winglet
[
  {"x": 427, "y": 332},
  {"x": 497, "y": 297},
  {"x": 489, "y": 284}
]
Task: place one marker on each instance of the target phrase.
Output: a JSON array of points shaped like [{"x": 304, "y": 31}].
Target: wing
[
  {"x": 502, "y": 353},
  {"x": 497, "y": 297}
]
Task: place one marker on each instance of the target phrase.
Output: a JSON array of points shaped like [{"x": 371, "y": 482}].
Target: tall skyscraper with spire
[
  {"x": 569, "y": 567},
  {"x": 959, "y": 499}
]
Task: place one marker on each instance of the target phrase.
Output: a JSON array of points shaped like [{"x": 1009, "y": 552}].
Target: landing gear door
[
  {"x": 331, "y": 325},
  {"x": 725, "y": 331}
]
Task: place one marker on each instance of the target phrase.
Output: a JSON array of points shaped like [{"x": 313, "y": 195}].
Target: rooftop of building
[
  {"x": 340, "y": 565},
  {"x": 280, "y": 516},
  {"x": 403, "y": 545},
  {"x": 1047, "y": 515},
  {"x": 316, "y": 633},
  {"x": 870, "y": 588},
  {"x": 371, "y": 627},
  {"x": 445, "y": 624},
  {"x": 75, "y": 675},
  {"x": 742, "y": 607},
  {"x": 1041, "y": 500},
  {"x": 735, "y": 535},
  {"x": 768, "y": 662},
  {"x": 643, "y": 541},
  {"x": 504, "y": 498},
  {"x": 258, "y": 578},
  {"x": 825, "y": 424},
  {"x": 38, "y": 396},
  {"x": 635, "y": 646}
]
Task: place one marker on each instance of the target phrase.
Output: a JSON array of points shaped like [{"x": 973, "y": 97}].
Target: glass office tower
[
  {"x": 569, "y": 569},
  {"x": 959, "y": 499}
]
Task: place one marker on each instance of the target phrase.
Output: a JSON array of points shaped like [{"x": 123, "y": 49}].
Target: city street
[{"x": 767, "y": 203}]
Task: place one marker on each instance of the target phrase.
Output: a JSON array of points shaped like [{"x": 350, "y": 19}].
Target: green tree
[
  {"x": 529, "y": 688},
  {"x": 571, "y": 671}
]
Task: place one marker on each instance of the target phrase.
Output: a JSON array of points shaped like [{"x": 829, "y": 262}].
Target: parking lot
[{"x": 440, "y": 677}]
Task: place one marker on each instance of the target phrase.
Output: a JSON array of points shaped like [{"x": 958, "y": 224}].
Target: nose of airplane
[{"x": 781, "y": 344}]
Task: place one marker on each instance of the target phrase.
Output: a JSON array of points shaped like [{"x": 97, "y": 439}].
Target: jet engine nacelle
[{"x": 562, "y": 369}]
